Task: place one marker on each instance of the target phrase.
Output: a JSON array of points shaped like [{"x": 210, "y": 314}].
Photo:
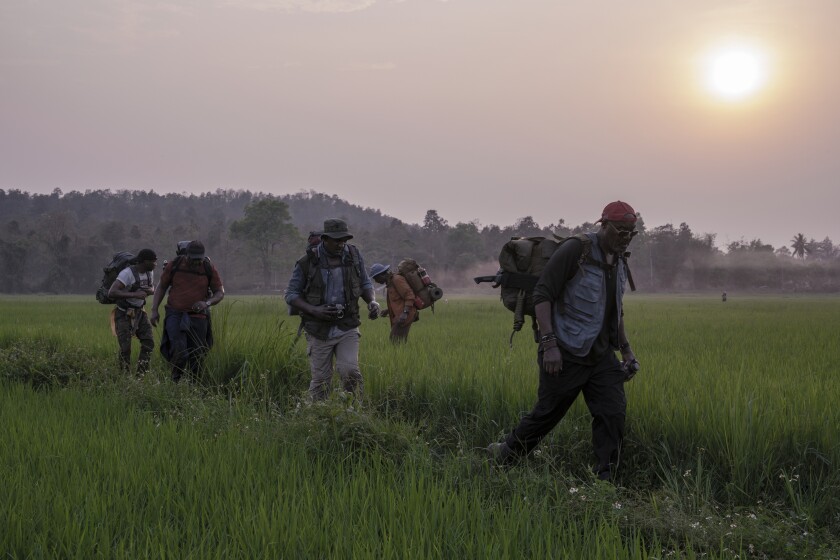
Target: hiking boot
[{"x": 499, "y": 453}]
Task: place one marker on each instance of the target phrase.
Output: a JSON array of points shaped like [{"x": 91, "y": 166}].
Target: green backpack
[
  {"x": 521, "y": 261},
  {"x": 110, "y": 272}
]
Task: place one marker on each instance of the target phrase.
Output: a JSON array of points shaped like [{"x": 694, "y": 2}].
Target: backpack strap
[
  {"x": 208, "y": 268},
  {"x": 624, "y": 258},
  {"x": 586, "y": 258},
  {"x": 136, "y": 274}
]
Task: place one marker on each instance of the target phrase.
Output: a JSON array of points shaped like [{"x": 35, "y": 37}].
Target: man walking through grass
[
  {"x": 325, "y": 287},
  {"x": 194, "y": 286},
  {"x": 579, "y": 309},
  {"x": 130, "y": 290},
  {"x": 400, "y": 299}
]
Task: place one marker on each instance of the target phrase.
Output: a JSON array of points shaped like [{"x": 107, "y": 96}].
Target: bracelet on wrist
[
  {"x": 547, "y": 338},
  {"x": 624, "y": 347}
]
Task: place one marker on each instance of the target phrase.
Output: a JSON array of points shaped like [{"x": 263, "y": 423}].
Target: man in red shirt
[{"x": 194, "y": 285}]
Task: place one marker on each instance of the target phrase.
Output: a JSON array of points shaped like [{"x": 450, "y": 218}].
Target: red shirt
[{"x": 189, "y": 284}]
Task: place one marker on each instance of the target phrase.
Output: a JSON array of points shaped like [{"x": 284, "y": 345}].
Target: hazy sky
[{"x": 486, "y": 110}]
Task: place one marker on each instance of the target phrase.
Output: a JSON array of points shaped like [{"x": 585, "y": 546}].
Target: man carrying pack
[
  {"x": 194, "y": 285},
  {"x": 130, "y": 289},
  {"x": 578, "y": 306},
  {"x": 325, "y": 287},
  {"x": 400, "y": 300}
]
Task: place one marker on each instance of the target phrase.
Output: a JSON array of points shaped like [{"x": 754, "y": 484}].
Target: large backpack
[
  {"x": 521, "y": 261},
  {"x": 426, "y": 292},
  {"x": 110, "y": 272}
]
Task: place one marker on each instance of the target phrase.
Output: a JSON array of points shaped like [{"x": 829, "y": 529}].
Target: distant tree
[
  {"x": 754, "y": 246},
  {"x": 823, "y": 250},
  {"x": 433, "y": 223},
  {"x": 266, "y": 224},
  {"x": 799, "y": 245},
  {"x": 463, "y": 245},
  {"x": 526, "y": 226},
  {"x": 13, "y": 257},
  {"x": 560, "y": 228}
]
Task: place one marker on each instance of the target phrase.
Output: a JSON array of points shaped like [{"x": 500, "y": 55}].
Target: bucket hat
[
  {"x": 336, "y": 229},
  {"x": 376, "y": 269}
]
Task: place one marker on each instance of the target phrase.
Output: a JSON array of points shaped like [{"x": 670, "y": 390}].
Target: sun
[{"x": 735, "y": 71}]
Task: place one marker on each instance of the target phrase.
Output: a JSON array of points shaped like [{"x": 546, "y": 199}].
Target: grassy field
[{"x": 732, "y": 445}]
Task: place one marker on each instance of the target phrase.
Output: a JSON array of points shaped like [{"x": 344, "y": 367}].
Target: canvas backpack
[
  {"x": 110, "y": 272},
  {"x": 426, "y": 292},
  {"x": 521, "y": 261}
]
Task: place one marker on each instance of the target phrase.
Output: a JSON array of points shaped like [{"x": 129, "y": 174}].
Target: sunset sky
[{"x": 721, "y": 114}]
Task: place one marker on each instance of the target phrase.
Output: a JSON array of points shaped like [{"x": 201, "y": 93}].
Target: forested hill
[{"x": 58, "y": 243}]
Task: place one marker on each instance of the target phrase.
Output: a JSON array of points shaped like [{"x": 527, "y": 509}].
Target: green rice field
[{"x": 732, "y": 446}]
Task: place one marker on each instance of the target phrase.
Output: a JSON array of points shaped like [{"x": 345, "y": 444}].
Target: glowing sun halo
[{"x": 735, "y": 72}]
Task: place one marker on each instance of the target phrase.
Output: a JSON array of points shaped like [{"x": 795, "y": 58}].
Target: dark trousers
[
  {"x": 399, "y": 333},
  {"x": 187, "y": 343},
  {"x": 603, "y": 390}
]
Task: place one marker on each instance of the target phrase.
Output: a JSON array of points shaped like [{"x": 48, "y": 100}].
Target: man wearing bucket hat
[
  {"x": 400, "y": 298},
  {"x": 325, "y": 288},
  {"x": 579, "y": 309}
]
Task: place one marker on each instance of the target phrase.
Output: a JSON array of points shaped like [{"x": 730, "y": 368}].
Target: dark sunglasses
[{"x": 624, "y": 233}]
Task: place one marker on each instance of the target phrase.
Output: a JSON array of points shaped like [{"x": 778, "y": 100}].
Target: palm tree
[{"x": 799, "y": 245}]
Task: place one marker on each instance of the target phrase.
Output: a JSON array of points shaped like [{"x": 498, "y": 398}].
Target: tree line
[{"x": 59, "y": 242}]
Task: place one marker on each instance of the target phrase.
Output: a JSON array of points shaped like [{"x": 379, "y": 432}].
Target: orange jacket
[{"x": 400, "y": 297}]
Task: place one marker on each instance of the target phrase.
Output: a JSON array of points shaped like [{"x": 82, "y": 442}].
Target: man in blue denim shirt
[
  {"x": 325, "y": 288},
  {"x": 578, "y": 303}
]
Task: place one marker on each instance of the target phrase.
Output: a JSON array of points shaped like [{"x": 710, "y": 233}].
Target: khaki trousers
[{"x": 344, "y": 349}]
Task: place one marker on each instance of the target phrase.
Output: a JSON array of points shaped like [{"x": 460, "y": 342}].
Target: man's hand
[
  {"x": 401, "y": 320},
  {"x": 374, "y": 310},
  {"x": 154, "y": 317},
  {"x": 630, "y": 363},
  {"x": 552, "y": 360}
]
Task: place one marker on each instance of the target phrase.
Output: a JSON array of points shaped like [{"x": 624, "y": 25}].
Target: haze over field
[{"x": 720, "y": 114}]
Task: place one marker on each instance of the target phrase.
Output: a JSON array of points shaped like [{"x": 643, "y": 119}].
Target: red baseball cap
[{"x": 618, "y": 211}]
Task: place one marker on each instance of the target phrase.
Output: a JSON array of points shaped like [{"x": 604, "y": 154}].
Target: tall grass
[{"x": 731, "y": 444}]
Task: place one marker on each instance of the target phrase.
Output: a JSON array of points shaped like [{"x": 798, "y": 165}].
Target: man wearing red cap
[{"x": 579, "y": 310}]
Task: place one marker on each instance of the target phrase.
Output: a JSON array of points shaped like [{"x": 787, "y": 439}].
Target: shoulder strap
[
  {"x": 354, "y": 255},
  {"x": 309, "y": 265},
  {"x": 208, "y": 268},
  {"x": 136, "y": 275},
  {"x": 624, "y": 258}
]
